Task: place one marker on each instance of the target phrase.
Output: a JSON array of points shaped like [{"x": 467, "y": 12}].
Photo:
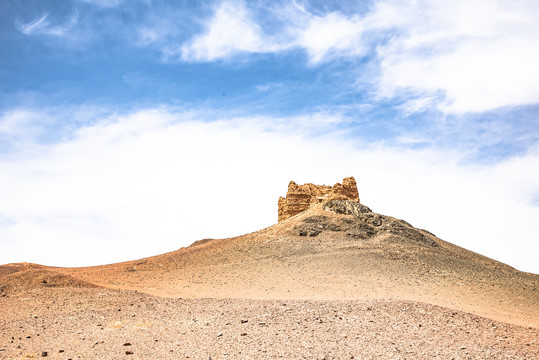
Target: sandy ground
[{"x": 67, "y": 323}]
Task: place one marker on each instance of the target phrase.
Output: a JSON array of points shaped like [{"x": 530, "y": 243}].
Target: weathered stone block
[{"x": 300, "y": 197}]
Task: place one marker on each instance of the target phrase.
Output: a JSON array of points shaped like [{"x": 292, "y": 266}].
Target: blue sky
[{"x": 115, "y": 115}]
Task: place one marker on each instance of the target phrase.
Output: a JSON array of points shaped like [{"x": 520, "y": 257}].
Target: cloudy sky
[{"x": 132, "y": 128}]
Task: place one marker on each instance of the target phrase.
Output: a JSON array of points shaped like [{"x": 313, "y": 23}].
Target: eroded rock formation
[{"x": 300, "y": 197}]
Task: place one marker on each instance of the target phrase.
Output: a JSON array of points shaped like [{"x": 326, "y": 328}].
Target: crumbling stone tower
[{"x": 300, "y": 197}]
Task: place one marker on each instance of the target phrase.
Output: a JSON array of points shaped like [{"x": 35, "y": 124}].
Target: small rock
[
  {"x": 44, "y": 354},
  {"x": 127, "y": 344},
  {"x": 243, "y": 321},
  {"x": 220, "y": 334},
  {"x": 128, "y": 353},
  {"x": 61, "y": 351},
  {"x": 243, "y": 334}
]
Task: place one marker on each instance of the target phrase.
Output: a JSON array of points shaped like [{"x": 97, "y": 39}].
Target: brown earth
[{"x": 356, "y": 285}]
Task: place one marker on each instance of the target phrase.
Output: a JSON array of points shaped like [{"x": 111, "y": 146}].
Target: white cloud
[
  {"x": 480, "y": 54},
  {"x": 42, "y": 26},
  {"x": 18, "y": 123},
  {"x": 230, "y": 31},
  {"x": 458, "y": 56},
  {"x": 234, "y": 30},
  {"x": 331, "y": 35},
  {"x": 152, "y": 181}
]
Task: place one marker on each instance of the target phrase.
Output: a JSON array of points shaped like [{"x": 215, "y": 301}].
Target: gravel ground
[{"x": 94, "y": 323}]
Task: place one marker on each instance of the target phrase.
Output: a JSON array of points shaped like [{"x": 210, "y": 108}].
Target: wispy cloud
[
  {"x": 43, "y": 26},
  {"x": 34, "y": 25}
]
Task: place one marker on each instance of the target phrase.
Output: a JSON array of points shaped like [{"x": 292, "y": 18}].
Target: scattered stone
[
  {"x": 128, "y": 352},
  {"x": 403, "y": 230},
  {"x": 44, "y": 354},
  {"x": 316, "y": 219},
  {"x": 308, "y": 230},
  {"x": 243, "y": 321},
  {"x": 127, "y": 344},
  {"x": 344, "y": 207},
  {"x": 220, "y": 334},
  {"x": 243, "y": 334},
  {"x": 61, "y": 351}
]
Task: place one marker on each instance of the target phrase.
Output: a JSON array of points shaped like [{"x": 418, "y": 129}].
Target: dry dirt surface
[
  {"x": 82, "y": 323},
  {"x": 336, "y": 281}
]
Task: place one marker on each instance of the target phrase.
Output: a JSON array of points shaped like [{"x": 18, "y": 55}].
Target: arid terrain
[{"x": 331, "y": 280}]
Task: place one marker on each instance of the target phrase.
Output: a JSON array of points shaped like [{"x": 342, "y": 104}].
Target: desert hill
[
  {"x": 326, "y": 248},
  {"x": 333, "y": 248}
]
